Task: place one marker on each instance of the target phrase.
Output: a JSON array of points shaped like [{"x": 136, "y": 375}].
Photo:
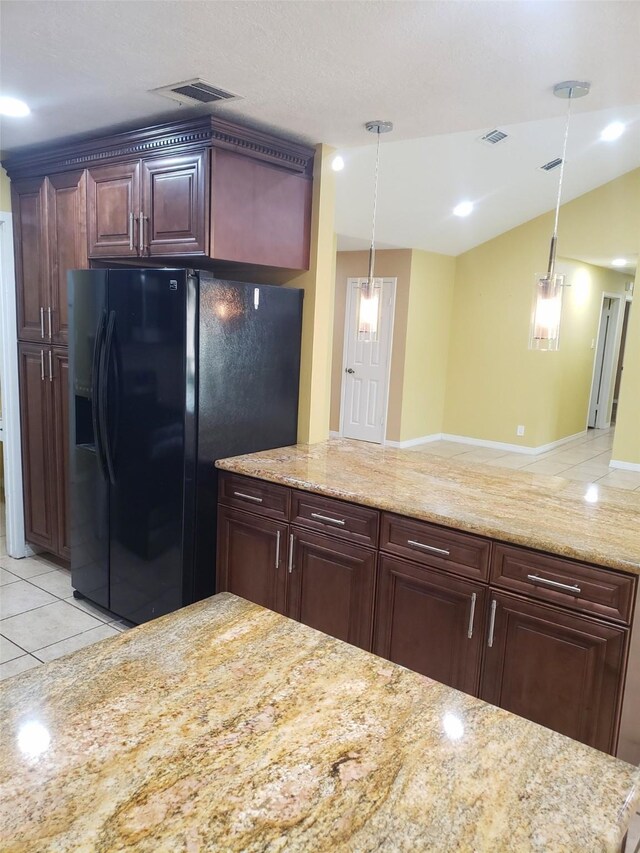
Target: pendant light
[
  {"x": 547, "y": 298},
  {"x": 369, "y": 291}
]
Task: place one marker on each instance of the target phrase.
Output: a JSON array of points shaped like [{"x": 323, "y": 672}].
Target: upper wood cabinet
[
  {"x": 50, "y": 239},
  {"x": 149, "y": 208}
]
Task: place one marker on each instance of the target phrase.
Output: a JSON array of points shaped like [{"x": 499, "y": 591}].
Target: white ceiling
[{"x": 317, "y": 70}]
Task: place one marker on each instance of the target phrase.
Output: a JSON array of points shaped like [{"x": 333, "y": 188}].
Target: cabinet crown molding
[{"x": 174, "y": 137}]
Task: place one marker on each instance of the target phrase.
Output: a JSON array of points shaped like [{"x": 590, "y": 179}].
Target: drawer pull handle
[
  {"x": 340, "y": 521},
  {"x": 492, "y": 622},
  {"x": 248, "y": 497},
  {"x": 290, "y": 567},
  {"x": 567, "y": 587},
  {"x": 430, "y": 548},
  {"x": 472, "y": 615},
  {"x": 277, "y": 549}
]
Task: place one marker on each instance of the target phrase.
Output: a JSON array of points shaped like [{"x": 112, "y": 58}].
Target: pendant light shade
[{"x": 544, "y": 330}]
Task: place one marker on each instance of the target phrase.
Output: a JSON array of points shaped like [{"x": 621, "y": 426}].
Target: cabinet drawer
[
  {"x": 339, "y": 518},
  {"x": 254, "y": 495},
  {"x": 574, "y": 585},
  {"x": 461, "y": 553}
]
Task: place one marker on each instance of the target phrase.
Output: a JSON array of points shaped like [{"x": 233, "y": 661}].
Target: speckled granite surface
[
  {"x": 547, "y": 513},
  {"x": 227, "y": 727}
]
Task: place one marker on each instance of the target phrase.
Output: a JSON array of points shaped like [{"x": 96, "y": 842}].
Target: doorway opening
[
  {"x": 609, "y": 352},
  {"x": 620, "y": 364},
  {"x": 366, "y": 362}
]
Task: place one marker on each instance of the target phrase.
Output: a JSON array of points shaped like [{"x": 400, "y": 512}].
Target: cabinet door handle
[
  {"x": 277, "y": 549},
  {"x": 320, "y": 517},
  {"x": 492, "y": 622},
  {"x": 42, "y": 365},
  {"x": 567, "y": 587},
  {"x": 141, "y": 247},
  {"x": 290, "y": 567},
  {"x": 50, "y": 368},
  {"x": 247, "y": 497},
  {"x": 472, "y": 615},
  {"x": 131, "y": 221},
  {"x": 49, "y": 318},
  {"x": 430, "y": 548},
  {"x": 42, "y": 322}
]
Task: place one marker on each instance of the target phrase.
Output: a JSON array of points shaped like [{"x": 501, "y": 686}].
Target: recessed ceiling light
[
  {"x": 619, "y": 262},
  {"x": 463, "y": 209},
  {"x": 13, "y": 107},
  {"x": 337, "y": 164},
  {"x": 612, "y": 131}
]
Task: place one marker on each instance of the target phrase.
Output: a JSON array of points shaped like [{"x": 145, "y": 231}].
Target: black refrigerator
[{"x": 169, "y": 370}]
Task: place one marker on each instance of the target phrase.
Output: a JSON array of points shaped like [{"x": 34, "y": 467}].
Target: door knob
[{"x": 349, "y": 370}]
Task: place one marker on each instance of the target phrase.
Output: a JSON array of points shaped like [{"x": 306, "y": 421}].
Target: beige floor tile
[
  {"x": 512, "y": 460},
  {"x": 47, "y": 625},
  {"x": 547, "y": 466},
  {"x": 17, "y": 665},
  {"x": 92, "y": 609},
  {"x": 576, "y": 456},
  {"x": 7, "y": 577},
  {"x": 20, "y": 597},
  {"x": 9, "y": 650},
  {"x": 57, "y": 582},
  {"x": 79, "y": 641},
  {"x": 27, "y": 567},
  {"x": 621, "y": 480},
  {"x": 581, "y": 476},
  {"x": 435, "y": 449},
  {"x": 479, "y": 454}
]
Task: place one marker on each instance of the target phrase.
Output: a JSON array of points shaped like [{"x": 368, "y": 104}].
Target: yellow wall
[
  {"x": 494, "y": 381},
  {"x": 424, "y": 295},
  {"x": 5, "y": 191},
  {"x": 626, "y": 445},
  {"x": 427, "y": 346}
]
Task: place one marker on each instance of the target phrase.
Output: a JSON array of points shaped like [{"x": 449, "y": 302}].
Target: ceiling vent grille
[
  {"x": 194, "y": 92},
  {"x": 494, "y": 137},
  {"x": 551, "y": 165}
]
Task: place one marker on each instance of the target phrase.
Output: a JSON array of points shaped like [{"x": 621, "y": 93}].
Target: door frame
[
  {"x": 609, "y": 358},
  {"x": 11, "y": 443},
  {"x": 392, "y": 282}
]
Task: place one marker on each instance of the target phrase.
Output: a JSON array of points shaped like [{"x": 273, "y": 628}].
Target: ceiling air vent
[
  {"x": 493, "y": 137},
  {"x": 551, "y": 165},
  {"x": 194, "y": 92}
]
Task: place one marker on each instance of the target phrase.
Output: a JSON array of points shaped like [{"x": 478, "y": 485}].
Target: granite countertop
[
  {"x": 597, "y": 524},
  {"x": 225, "y": 726}
]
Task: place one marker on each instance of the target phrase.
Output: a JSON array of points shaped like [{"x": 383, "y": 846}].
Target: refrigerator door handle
[
  {"x": 104, "y": 396},
  {"x": 95, "y": 392}
]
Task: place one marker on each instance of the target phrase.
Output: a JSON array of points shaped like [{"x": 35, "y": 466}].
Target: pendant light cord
[
  {"x": 554, "y": 239},
  {"x": 372, "y": 248}
]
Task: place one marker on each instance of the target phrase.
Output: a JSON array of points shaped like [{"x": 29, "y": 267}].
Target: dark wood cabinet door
[
  {"x": 260, "y": 214},
  {"x": 175, "y": 201},
  {"x": 331, "y": 586},
  {"x": 67, "y": 220},
  {"x": 430, "y": 622},
  {"x": 113, "y": 210},
  {"x": 60, "y": 390},
  {"x": 252, "y": 557},
  {"x": 37, "y": 446},
  {"x": 29, "y": 208},
  {"x": 556, "y": 668}
]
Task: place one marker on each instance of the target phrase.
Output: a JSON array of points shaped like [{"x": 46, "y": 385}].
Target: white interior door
[
  {"x": 607, "y": 348},
  {"x": 367, "y": 357}
]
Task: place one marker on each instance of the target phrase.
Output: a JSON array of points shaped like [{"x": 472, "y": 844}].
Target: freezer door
[
  {"x": 146, "y": 365},
  {"x": 88, "y": 489}
]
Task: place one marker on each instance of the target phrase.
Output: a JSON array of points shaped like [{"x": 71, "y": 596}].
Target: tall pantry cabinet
[
  {"x": 198, "y": 193},
  {"x": 50, "y": 238}
]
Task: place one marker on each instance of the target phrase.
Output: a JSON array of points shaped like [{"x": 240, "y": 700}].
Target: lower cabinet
[
  {"x": 430, "y": 622},
  {"x": 44, "y": 421},
  {"x": 331, "y": 586},
  {"x": 558, "y": 669},
  {"x": 252, "y": 557}
]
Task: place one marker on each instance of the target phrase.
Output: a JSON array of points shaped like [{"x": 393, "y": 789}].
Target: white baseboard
[
  {"x": 413, "y": 442},
  {"x": 624, "y": 466},
  {"x": 512, "y": 448}
]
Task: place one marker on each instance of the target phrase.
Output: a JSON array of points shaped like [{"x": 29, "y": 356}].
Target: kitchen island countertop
[
  {"x": 225, "y": 726},
  {"x": 596, "y": 524}
]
